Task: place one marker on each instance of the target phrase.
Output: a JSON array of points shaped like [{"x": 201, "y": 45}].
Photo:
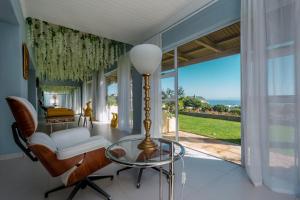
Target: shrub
[
  {"x": 220, "y": 108},
  {"x": 169, "y": 108},
  {"x": 191, "y": 102},
  {"x": 112, "y": 100},
  {"x": 235, "y": 111},
  {"x": 205, "y": 107},
  {"x": 180, "y": 105}
]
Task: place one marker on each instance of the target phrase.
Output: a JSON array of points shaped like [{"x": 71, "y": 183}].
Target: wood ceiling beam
[
  {"x": 184, "y": 54},
  {"x": 179, "y": 57},
  {"x": 219, "y": 43},
  {"x": 208, "y": 44},
  {"x": 210, "y": 57}
]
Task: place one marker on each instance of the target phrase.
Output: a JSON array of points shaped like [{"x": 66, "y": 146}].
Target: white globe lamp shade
[{"x": 145, "y": 58}]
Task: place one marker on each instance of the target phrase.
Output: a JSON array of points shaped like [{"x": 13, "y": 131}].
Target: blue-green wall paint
[
  {"x": 7, "y": 15},
  {"x": 32, "y": 91},
  {"x": 12, "y": 35}
]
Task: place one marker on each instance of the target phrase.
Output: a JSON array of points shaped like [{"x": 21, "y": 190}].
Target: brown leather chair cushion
[
  {"x": 23, "y": 117},
  {"x": 92, "y": 162},
  {"x": 49, "y": 160}
]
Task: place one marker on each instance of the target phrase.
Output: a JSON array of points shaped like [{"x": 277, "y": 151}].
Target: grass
[{"x": 228, "y": 131}]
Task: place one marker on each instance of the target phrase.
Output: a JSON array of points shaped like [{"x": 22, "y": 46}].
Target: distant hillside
[{"x": 202, "y": 99}]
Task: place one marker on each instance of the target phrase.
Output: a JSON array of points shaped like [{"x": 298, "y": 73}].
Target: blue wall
[
  {"x": 12, "y": 34},
  {"x": 32, "y": 92},
  {"x": 7, "y": 14},
  {"x": 210, "y": 19}
]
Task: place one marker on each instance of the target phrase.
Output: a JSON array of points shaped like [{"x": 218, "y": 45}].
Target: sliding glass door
[
  {"x": 169, "y": 85},
  {"x": 201, "y": 93}
]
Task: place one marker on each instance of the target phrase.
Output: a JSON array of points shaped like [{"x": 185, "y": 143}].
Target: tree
[
  {"x": 192, "y": 102},
  {"x": 180, "y": 92},
  {"x": 168, "y": 93}
]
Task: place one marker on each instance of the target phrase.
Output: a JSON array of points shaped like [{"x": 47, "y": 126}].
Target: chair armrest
[
  {"x": 91, "y": 144},
  {"x": 70, "y": 137}
]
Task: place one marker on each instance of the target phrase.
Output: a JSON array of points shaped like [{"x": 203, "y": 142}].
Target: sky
[
  {"x": 112, "y": 89},
  {"x": 215, "y": 79},
  {"x": 218, "y": 79}
]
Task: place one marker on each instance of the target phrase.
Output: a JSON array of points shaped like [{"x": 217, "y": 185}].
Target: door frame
[{"x": 174, "y": 74}]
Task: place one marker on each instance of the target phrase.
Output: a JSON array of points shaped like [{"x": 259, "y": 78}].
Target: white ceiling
[{"x": 130, "y": 21}]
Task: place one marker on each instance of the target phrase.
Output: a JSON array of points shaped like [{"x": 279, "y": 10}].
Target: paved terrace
[{"x": 224, "y": 150}]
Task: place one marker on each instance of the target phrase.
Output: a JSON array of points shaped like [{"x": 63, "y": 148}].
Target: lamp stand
[{"x": 147, "y": 144}]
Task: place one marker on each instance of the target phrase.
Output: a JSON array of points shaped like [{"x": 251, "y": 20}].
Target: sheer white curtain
[
  {"x": 99, "y": 96},
  {"x": 76, "y": 100},
  {"x": 101, "y": 109},
  {"x": 84, "y": 93},
  {"x": 124, "y": 93},
  {"x": 156, "y": 111},
  {"x": 69, "y": 100},
  {"x": 270, "y": 38},
  {"x": 95, "y": 95}
]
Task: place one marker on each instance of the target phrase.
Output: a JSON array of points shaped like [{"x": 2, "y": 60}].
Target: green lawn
[{"x": 220, "y": 129}]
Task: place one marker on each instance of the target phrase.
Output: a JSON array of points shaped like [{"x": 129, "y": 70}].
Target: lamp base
[{"x": 147, "y": 145}]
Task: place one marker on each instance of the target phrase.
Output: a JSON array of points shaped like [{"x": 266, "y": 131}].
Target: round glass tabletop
[{"x": 134, "y": 157}]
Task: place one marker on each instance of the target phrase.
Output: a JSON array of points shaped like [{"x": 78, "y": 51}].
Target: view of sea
[{"x": 233, "y": 102}]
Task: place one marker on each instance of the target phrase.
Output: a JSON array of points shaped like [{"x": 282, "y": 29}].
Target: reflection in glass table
[{"x": 167, "y": 152}]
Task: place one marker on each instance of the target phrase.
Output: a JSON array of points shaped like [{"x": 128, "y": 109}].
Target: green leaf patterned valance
[{"x": 61, "y": 53}]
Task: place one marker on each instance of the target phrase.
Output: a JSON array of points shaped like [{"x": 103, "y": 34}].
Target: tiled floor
[{"x": 208, "y": 178}]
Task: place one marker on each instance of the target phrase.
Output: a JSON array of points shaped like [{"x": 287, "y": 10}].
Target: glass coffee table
[{"x": 167, "y": 152}]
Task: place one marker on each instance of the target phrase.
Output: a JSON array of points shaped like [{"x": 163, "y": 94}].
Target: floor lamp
[{"x": 146, "y": 58}]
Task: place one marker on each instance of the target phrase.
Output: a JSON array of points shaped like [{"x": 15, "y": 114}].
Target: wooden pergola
[
  {"x": 111, "y": 78},
  {"x": 223, "y": 42}
]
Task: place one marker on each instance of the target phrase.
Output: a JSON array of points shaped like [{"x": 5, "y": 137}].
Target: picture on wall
[{"x": 25, "y": 61}]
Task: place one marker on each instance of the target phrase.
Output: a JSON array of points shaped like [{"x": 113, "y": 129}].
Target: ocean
[{"x": 234, "y": 102}]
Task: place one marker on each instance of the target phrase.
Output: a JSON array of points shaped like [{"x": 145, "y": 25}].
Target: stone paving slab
[{"x": 224, "y": 150}]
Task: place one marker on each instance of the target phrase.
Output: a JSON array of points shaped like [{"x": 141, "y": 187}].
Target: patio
[{"x": 217, "y": 148}]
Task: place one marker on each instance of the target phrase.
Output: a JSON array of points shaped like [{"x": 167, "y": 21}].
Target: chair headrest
[{"x": 24, "y": 114}]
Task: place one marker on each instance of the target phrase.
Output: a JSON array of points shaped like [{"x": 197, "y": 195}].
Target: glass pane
[
  {"x": 168, "y": 88},
  {"x": 112, "y": 94},
  {"x": 209, "y": 107},
  {"x": 281, "y": 78},
  {"x": 169, "y": 120},
  {"x": 168, "y": 107},
  {"x": 168, "y": 62}
]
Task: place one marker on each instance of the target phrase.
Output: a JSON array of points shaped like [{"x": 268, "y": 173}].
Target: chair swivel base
[
  {"x": 138, "y": 182},
  {"x": 83, "y": 184}
]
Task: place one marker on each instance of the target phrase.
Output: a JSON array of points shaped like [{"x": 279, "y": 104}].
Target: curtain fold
[
  {"x": 76, "y": 105},
  {"x": 101, "y": 108},
  {"x": 270, "y": 53},
  {"x": 155, "y": 94},
  {"x": 124, "y": 93},
  {"x": 84, "y": 94},
  {"x": 99, "y": 96},
  {"x": 95, "y": 95}
]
